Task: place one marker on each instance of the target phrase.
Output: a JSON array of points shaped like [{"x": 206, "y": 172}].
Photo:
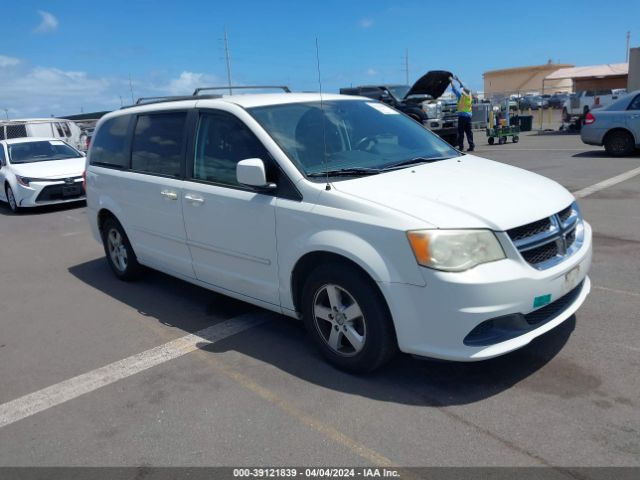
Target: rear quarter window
[
  {"x": 109, "y": 144},
  {"x": 158, "y": 143}
]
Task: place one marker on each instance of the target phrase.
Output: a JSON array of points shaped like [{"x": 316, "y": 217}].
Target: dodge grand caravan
[{"x": 342, "y": 212}]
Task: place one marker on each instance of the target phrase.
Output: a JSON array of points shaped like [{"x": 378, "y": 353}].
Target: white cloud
[
  {"x": 366, "y": 23},
  {"x": 33, "y": 91},
  {"x": 8, "y": 61},
  {"x": 48, "y": 23},
  {"x": 371, "y": 72},
  {"x": 187, "y": 82}
]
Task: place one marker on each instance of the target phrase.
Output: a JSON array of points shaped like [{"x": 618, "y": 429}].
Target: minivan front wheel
[
  {"x": 118, "y": 251},
  {"x": 347, "y": 318}
]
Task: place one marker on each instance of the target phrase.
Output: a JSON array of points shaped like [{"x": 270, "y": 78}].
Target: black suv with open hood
[{"x": 419, "y": 101}]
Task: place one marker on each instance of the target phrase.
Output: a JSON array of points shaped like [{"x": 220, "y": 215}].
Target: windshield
[
  {"x": 41, "y": 151},
  {"x": 399, "y": 91},
  {"x": 348, "y": 134}
]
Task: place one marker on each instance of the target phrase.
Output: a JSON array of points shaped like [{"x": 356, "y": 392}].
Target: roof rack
[
  {"x": 198, "y": 95},
  {"x": 170, "y": 98},
  {"x": 243, "y": 87}
]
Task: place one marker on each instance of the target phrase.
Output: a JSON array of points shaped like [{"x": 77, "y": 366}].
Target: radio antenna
[{"x": 324, "y": 130}]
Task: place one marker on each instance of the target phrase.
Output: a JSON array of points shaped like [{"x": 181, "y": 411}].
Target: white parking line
[
  {"x": 609, "y": 182},
  {"x": 66, "y": 390}
]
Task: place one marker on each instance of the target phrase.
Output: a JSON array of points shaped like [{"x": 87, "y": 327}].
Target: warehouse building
[
  {"x": 523, "y": 80},
  {"x": 594, "y": 77}
]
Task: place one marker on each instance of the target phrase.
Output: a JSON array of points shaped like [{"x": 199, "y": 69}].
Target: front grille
[
  {"x": 541, "y": 254},
  {"x": 61, "y": 192},
  {"x": 565, "y": 214},
  {"x": 549, "y": 241},
  {"x": 530, "y": 229}
]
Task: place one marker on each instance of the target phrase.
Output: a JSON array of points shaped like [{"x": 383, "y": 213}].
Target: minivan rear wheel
[
  {"x": 347, "y": 318},
  {"x": 117, "y": 248}
]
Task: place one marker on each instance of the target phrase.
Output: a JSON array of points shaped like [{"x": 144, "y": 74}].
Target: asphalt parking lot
[{"x": 264, "y": 397}]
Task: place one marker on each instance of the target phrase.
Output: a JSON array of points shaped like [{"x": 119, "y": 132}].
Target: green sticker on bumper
[{"x": 541, "y": 300}]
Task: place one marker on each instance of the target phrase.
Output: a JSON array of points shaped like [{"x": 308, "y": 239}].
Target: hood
[
  {"x": 70, "y": 167},
  {"x": 433, "y": 83},
  {"x": 463, "y": 192}
]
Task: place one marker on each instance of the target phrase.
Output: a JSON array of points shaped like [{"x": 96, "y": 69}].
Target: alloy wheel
[
  {"x": 12, "y": 199},
  {"x": 117, "y": 250},
  {"x": 339, "y": 320}
]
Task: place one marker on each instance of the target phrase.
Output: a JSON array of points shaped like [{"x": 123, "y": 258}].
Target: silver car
[{"x": 616, "y": 126}]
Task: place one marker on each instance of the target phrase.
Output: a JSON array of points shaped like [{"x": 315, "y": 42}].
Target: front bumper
[
  {"x": 50, "y": 192},
  {"x": 434, "y": 321},
  {"x": 442, "y": 126}
]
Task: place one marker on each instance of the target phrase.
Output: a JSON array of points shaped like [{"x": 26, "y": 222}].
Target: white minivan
[{"x": 345, "y": 213}]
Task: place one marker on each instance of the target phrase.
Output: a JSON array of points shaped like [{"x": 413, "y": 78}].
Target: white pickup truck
[{"x": 578, "y": 104}]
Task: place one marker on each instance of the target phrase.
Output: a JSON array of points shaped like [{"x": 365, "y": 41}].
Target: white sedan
[{"x": 40, "y": 171}]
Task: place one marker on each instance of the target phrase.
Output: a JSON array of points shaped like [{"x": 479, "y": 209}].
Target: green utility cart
[{"x": 503, "y": 134}]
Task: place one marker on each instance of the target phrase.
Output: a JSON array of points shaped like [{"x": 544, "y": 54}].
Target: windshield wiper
[
  {"x": 345, "y": 172},
  {"x": 413, "y": 161}
]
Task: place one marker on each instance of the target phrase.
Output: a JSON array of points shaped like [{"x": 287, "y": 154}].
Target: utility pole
[
  {"x": 406, "y": 65},
  {"x": 627, "y": 52},
  {"x": 131, "y": 90},
  {"x": 6, "y": 112},
  {"x": 226, "y": 54}
]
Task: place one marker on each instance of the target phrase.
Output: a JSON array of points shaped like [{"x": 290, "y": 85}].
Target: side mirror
[{"x": 251, "y": 172}]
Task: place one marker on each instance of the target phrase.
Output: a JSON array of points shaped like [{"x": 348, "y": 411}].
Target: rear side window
[
  {"x": 635, "y": 104},
  {"x": 158, "y": 143},
  {"x": 66, "y": 129},
  {"x": 109, "y": 146},
  {"x": 2, "y": 157},
  {"x": 59, "y": 129}
]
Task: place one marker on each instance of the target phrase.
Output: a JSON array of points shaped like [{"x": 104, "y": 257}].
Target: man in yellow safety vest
[{"x": 464, "y": 115}]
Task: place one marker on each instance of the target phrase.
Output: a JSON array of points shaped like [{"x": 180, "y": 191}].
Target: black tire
[
  {"x": 126, "y": 270},
  {"x": 515, "y": 139},
  {"x": 491, "y": 140},
  {"x": 11, "y": 199},
  {"x": 619, "y": 143},
  {"x": 374, "y": 325}
]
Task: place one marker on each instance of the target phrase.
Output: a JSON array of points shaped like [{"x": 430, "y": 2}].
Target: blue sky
[{"x": 57, "y": 57}]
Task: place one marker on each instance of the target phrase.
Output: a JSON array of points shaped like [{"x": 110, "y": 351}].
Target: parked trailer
[{"x": 61, "y": 128}]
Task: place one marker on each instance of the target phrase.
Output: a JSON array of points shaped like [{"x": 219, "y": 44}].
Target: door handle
[
  {"x": 169, "y": 194},
  {"x": 194, "y": 199}
]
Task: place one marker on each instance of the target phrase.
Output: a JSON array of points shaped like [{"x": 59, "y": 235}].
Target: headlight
[
  {"x": 454, "y": 250},
  {"x": 431, "y": 109},
  {"x": 24, "y": 181}
]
